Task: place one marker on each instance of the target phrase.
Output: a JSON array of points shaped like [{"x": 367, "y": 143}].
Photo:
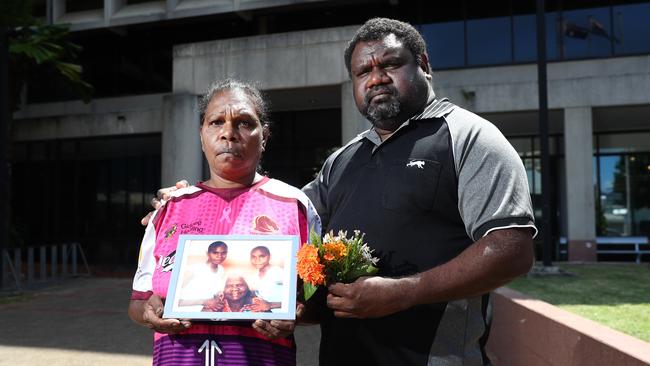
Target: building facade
[{"x": 150, "y": 60}]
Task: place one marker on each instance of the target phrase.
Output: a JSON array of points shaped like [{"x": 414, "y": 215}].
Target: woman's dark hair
[
  {"x": 255, "y": 95},
  {"x": 376, "y": 29}
]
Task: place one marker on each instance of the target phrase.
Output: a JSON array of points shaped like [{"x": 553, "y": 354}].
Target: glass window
[
  {"x": 614, "y": 195},
  {"x": 39, "y": 8},
  {"x": 72, "y": 6},
  {"x": 639, "y": 183},
  {"x": 553, "y": 36},
  {"x": 525, "y": 38},
  {"x": 530, "y": 174},
  {"x": 586, "y": 33},
  {"x": 488, "y": 41},
  {"x": 624, "y": 200},
  {"x": 631, "y": 29},
  {"x": 624, "y": 142},
  {"x": 131, "y": 2},
  {"x": 446, "y": 44},
  {"x": 111, "y": 191},
  {"x": 523, "y": 145}
]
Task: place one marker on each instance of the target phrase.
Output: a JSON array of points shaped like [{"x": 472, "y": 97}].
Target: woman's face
[
  {"x": 235, "y": 288},
  {"x": 259, "y": 259},
  {"x": 232, "y": 137}
]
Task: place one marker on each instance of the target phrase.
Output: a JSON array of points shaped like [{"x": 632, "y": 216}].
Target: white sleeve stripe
[{"x": 511, "y": 227}]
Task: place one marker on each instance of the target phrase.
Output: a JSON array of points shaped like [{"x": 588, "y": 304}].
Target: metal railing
[{"x": 42, "y": 264}]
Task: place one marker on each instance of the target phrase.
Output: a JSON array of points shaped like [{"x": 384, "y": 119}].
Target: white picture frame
[{"x": 237, "y": 270}]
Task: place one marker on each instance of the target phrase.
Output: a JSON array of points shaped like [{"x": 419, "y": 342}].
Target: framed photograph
[{"x": 231, "y": 277}]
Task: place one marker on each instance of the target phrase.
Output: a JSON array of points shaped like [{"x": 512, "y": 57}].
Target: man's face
[
  {"x": 389, "y": 85},
  {"x": 235, "y": 288},
  {"x": 217, "y": 255},
  {"x": 259, "y": 259}
]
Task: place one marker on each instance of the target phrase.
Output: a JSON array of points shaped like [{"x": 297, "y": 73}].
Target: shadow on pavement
[{"x": 90, "y": 315}]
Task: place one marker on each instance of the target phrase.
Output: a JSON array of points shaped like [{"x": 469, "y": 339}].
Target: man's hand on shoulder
[
  {"x": 368, "y": 297},
  {"x": 161, "y": 197}
]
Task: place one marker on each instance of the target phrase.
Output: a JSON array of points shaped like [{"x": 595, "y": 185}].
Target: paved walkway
[{"x": 83, "y": 321}]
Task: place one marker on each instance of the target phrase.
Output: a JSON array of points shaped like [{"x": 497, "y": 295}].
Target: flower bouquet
[{"x": 334, "y": 259}]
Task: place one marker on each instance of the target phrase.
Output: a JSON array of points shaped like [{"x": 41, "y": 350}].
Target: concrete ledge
[{"x": 531, "y": 332}]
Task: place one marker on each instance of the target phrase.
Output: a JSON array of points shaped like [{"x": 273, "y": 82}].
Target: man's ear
[{"x": 424, "y": 65}]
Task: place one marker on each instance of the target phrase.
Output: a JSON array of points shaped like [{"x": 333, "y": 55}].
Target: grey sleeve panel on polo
[{"x": 492, "y": 185}]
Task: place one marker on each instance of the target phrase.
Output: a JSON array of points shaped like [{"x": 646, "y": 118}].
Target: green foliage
[
  {"x": 308, "y": 290},
  {"x": 616, "y": 295},
  {"x": 47, "y": 45},
  {"x": 33, "y": 44}
]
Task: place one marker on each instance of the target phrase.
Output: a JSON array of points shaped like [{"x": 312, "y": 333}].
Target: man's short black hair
[{"x": 376, "y": 29}]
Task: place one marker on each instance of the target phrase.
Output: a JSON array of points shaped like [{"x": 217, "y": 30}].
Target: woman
[
  {"x": 236, "y": 297},
  {"x": 234, "y": 131}
]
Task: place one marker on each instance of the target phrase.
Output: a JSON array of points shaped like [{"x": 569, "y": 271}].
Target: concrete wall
[
  {"x": 587, "y": 83},
  {"x": 101, "y": 117},
  {"x": 119, "y": 12},
  {"x": 531, "y": 332},
  {"x": 276, "y": 61}
]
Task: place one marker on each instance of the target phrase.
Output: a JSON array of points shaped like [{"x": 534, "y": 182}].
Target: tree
[
  {"x": 34, "y": 45},
  {"x": 27, "y": 44}
]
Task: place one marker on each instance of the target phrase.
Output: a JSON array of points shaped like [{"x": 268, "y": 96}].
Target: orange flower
[
  {"x": 309, "y": 267},
  {"x": 328, "y": 257},
  {"x": 336, "y": 249}
]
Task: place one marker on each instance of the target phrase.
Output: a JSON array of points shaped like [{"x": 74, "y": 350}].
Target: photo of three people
[{"x": 238, "y": 277}]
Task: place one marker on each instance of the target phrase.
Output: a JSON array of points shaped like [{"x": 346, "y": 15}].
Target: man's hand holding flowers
[{"x": 369, "y": 297}]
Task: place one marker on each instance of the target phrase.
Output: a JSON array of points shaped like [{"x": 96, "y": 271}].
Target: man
[{"x": 443, "y": 200}]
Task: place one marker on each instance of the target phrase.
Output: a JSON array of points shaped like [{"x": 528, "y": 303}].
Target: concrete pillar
[
  {"x": 578, "y": 152},
  {"x": 56, "y": 11},
  {"x": 181, "y": 147},
  {"x": 352, "y": 122}
]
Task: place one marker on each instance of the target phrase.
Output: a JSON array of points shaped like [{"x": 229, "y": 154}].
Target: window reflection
[
  {"x": 631, "y": 28},
  {"x": 586, "y": 33},
  {"x": 525, "y": 38},
  {"x": 570, "y": 34},
  {"x": 488, "y": 41},
  {"x": 623, "y": 180},
  {"x": 445, "y": 42}
]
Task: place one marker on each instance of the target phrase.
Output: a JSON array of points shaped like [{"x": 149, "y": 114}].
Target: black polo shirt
[{"x": 444, "y": 179}]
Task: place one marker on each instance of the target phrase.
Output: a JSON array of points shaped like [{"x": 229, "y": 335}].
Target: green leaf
[
  {"x": 366, "y": 270},
  {"x": 314, "y": 238},
  {"x": 309, "y": 290}
]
